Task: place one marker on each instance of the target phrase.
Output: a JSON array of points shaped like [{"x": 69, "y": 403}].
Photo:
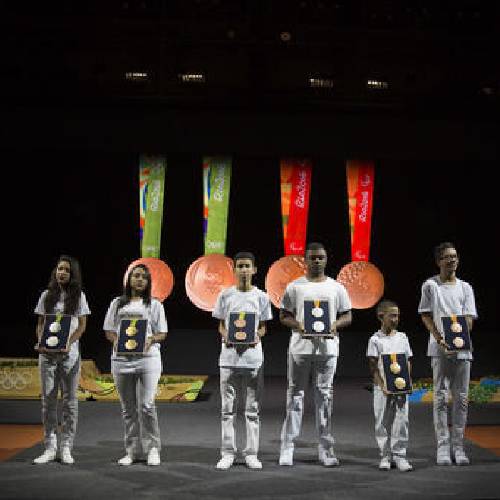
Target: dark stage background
[{"x": 84, "y": 201}]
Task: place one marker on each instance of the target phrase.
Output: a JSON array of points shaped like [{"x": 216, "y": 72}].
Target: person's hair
[
  {"x": 244, "y": 255},
  {"x": 127, "y": 289},
  {"x": 383, "y": 305},
  {"x": 439, "y": 249},
  {"x": 73, "y": 289},
  {"x": 315, "y": 246}
]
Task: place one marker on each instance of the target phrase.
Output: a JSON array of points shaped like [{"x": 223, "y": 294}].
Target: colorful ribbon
[
  {"x": 360, "y": 181},
  {"x": 295, "y": 191}
]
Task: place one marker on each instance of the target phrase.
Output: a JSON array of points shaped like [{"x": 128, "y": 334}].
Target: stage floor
[{"x": 191, "y": 440}]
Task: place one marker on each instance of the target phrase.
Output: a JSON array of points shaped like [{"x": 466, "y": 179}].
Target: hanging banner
[
  {"x": 360, "y": 180},
  {"x": 219, "y": 179},
  {"x": 143, "y": 191},
  {"x": 363, "y": 280},
  {"x": 208, "y": 275},
  {"x": 153, "y": 216},
  {"x": 295, "y": 181}
]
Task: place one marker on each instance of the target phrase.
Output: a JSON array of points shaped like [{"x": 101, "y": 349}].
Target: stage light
[
  {"x": 192, "y": 77},
  {"x": 136, "y": 76},
  {"x": 321, "y": 83},
  {"x": 377, "y": 84}
]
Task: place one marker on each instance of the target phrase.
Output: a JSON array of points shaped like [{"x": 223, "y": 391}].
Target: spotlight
[
  {"x": 136, "y": 76},
  {"x": 192, "y": 77},
  {"x": 377, "y": 84},
  {"x": 321, "y": 83}
]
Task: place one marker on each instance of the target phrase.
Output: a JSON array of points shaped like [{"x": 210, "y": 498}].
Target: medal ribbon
[
  {"x": 295, "y": 177},
  {"x": 133, "y": 322},
  {"x": 59, "y": 317},
  {"x": 242, "y": 315},
  {"x": 216, "y": 188},
  {"x": 394, "y": 359},
  {"x": 316, "y": 303},
  {"x": 151, "y": 193},
  {"x": 360, "y": 181},
  {"x": 454, "y": 318}
]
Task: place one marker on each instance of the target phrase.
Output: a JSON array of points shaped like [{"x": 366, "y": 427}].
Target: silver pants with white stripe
[
  {"x": 244, "y": 385},
  {"x": 59, "y": 370},
  {"x": 450, "y": 374},
  {"x": 391, "y": 422},
  {"x": 136, "y": 379},
  {"x": 301, "y": 368}
]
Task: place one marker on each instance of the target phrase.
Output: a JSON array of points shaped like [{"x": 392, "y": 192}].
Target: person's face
[
  {"x": 138, "y": 280},
  {"x": 244, "y": 270},
  {"x": 63, "y": 272},
  {"x": 390, "y": 318},
  {"x": 316, "y": 261},
  {"x": 448, "y": 261}
]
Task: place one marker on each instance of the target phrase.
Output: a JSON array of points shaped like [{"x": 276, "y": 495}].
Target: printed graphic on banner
[{"x": 151, "y": 238}]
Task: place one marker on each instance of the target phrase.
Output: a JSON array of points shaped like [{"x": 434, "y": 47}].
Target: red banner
[
  {"x": 296, "y": 186},
  {"x": 360, "y": 181}
]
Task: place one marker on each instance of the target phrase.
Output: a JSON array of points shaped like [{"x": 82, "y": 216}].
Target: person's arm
[
  {"x": 38, "y": 334},
  {"x": 287, "y": 319},
  {"x": 156, "y": 337},
  {"x": 223, "y": 332},
  {"x": 409, "y": 367},
  {"x": 470, "y": 321},
  {"x": 345, "y": 319},
  {"x": 111, "y": 336},
  {"x": 82, "y": 325},
  {"x": 431, "y": 326},
  {"x": 377, "y": 378}
]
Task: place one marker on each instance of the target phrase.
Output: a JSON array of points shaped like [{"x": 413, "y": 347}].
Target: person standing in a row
[
  {"x": 61, "y": 369},
  {"x": 138, "y": 372}
]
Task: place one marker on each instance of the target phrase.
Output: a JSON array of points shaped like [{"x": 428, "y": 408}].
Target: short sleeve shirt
[
  {"x": 81, "y": 310},
  {"x": 444, "y": 299},
  {"x": 154, "y": 313},
  {"x": 232, "y": 300},
  {"x": 293, "y": 301}
]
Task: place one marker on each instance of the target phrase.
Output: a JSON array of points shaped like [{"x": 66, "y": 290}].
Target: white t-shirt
[
  {"x": 81, "y": 310},
  {"x": 232, "y": 300},
  {"x": 444, "y": 299},
  {"x": 293, "y": 301},
  {"x": 154, "y": 313},
  {"x": 380, "y": 343}
]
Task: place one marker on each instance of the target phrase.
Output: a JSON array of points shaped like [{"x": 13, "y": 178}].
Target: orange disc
[
  {"x": 282, "y": 272},
  {"x": 364, "y": 283},
  {"x": 162, "y": 279},
  {"x": 207, "y": 277}
]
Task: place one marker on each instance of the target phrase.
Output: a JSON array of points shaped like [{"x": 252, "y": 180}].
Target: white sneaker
[
  {"x": 126, "y": 460},
  {"x": 385, "y": 463},
  {"x": 402, "y": 464},
  {"x": 153, "y": 457},
  {"x": 48, "y": 455},
  {"x": 328, "y": 458},
  {"x": 225, "y": 462},
  {"x": 66, "y": 457},
  {"x": 253, "y": 462},
  {"x": 443, "y": 456},
  {"x": 286, "y": 457},
  {"x": 460, "y": 457}
]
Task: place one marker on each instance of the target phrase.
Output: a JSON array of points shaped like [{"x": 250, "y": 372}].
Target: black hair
[
  {"x": 315, "y": 246},
  {"x": 244, "y": 255},
  {"x": 439, "y": 249},
  {"x": 73, "y": 289},
  {"x": 383, "y": 305},
  {"x": 127, "y": 289}
]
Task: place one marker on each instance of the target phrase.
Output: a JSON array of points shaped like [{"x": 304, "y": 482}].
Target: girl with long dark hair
[
  {"x": 138, "y": 372},
  {"x": 61, "y": 369}
]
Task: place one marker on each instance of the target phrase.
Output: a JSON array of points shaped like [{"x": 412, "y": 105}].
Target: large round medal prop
[
  {"x": 395, "y": 368},
  {"x": 207, "y": 277},
  {"x": 456, "y": 327},
  {"x": 55, "y": 327},
  {"x": 52, "y": 341},
  {"x": 458, "y": 342},
  {"x": 400, "y": 383},
  {"x": 318, "y": 326},
  {"x": 162, "y": 279},
  {"x": 282, "y": 272},
  {"x": 364, "y": 283},
  {"x": 317, "y": 312}
]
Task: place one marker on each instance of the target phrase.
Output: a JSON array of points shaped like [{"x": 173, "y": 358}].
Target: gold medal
[
  {"x": 52, "y": 341},
  {"x": 318, "y": 326},
  {"x": 316, "y": 311},
  {"x": 240, "y": 322},
  {"x": 455, "y": 327},
  {"x": 394, "y": 367},
  {"x": 55, "y": 326},
  {"x": 240, "y": 336},
  {"x": 131, "y": 331},
  {"x": 400, "y": 383},
  {"x": 458, "y": 342},
  {"x": 130, "y": 344}
]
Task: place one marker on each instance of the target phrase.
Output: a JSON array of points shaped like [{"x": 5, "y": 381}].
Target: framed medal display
[
  {"x": 317, "y": 321},
  {"x": 396, "y": 374},
  {"x": 56, "y": 331},
  {"x": 456, "y": 333},
  {"x": 132, "y": 336},
  {"x": 242, "y": 328}
]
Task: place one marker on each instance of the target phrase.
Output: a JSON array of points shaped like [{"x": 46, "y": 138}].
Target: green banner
[
  {"x": 151, "y": 238},
  {"x": 218, "y": 204}
]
